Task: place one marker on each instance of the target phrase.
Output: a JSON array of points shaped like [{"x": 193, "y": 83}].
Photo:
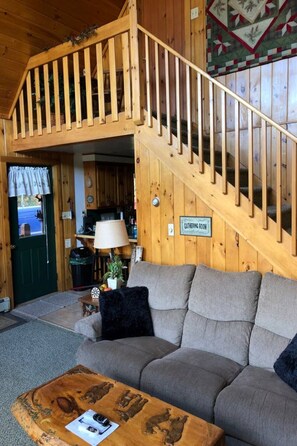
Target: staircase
[
  {"x": 201, "y": 121},
  {"x": 286, "y": 208},
  {"x": 187, "y": 126}
]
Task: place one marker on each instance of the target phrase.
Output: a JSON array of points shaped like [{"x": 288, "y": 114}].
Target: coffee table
[{"x": 44, "y": 412}]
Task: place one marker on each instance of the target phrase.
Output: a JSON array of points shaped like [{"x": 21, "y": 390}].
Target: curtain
[{"x": 28, "y": 181}]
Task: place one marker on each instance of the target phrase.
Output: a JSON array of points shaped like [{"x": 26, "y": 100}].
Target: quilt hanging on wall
[{"x": 245, "y": 33}]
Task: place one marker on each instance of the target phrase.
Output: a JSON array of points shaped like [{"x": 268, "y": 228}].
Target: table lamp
[{"x": 110, "y": 234}]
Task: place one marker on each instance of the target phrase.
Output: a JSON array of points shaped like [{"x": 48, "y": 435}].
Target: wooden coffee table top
[{"x": 45, "y": 411}]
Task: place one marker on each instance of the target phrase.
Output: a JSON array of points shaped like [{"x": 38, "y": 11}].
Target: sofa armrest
[{"x": 90, "y": 326}]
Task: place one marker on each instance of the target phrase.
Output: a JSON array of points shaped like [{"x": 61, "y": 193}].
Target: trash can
[{"x": 82, "y": 267}]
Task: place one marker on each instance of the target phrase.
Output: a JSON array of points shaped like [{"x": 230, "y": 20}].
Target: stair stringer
[{"x": 250, "y": 229}]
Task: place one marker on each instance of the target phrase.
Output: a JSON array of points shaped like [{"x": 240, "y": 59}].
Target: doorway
[{"x": 33, "y": 253}]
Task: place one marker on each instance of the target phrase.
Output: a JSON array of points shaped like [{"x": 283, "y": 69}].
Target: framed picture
[{"x": 196, "y": 226}]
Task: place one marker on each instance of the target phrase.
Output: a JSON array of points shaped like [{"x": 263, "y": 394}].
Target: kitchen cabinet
[{"x": 108, "y": 184}]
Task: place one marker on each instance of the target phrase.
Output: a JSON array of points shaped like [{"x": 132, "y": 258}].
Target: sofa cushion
[
  {"x": 123, "y": 359},
  {"x": 90, "y": 326},
  {"x": 189, "y": 379},
  {"x": 169, "y": 288},
  {"x": 286, "y": 365},
  {"x": 222, "y": 308},
  {"x": 276, "y": 322},
  {"x": 125, "y": 313},
  {"x": 258, "y": 408}
]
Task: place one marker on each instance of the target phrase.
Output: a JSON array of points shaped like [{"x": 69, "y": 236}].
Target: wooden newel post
[{"x": 135, "y": 69}]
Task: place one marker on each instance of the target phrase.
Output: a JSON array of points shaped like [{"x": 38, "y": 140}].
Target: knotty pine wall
[
  {"x": 225, "y": 250},
  {"x": 272, "y": 89},
  {"x": 63, "y": 189}
]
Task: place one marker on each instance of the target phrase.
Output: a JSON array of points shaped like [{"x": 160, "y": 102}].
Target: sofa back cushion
[
  {"x": 169, "y": 288},
  {"x": 222, "y": 309},
  {"x": 276, "y": 320}
]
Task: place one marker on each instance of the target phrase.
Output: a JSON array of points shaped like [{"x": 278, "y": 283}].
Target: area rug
[
  {"x": 245, "y": 33},
  {"x": 30, "y": 355}
]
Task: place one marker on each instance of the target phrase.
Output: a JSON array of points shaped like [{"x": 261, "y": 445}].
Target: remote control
[{"x": 101, "y": 419}]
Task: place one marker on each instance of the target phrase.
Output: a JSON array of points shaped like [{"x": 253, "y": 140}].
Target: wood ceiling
[{"x": 28, "y": 27}]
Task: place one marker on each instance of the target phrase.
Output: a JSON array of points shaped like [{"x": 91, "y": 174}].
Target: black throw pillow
[
  {"x": 125, "y": 313},
  {"x": 286, "y": 365}
]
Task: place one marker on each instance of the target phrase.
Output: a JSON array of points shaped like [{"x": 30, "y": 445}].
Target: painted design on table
[
  {"x": 245, "y": 33},
  {"x": 173, "y": 432},
  {"x": 96, "y": 393},
  {"x": 135, "y": 402}
]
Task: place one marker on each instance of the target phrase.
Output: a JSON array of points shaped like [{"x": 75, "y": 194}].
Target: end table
[{"x": 89, "y": 305}]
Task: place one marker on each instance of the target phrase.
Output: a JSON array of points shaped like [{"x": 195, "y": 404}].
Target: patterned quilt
[{"x": 245, "y": 33}]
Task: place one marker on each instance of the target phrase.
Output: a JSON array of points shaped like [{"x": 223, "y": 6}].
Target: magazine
[{"x": 90, "y": 430}]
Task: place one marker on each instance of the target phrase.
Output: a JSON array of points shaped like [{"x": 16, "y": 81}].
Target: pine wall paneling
[
  {"x": 225, "y": 250},
  {"x": 271, "y": 89}
]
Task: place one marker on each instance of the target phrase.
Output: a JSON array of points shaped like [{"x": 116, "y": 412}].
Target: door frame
[{"x": 61, "y": 264}]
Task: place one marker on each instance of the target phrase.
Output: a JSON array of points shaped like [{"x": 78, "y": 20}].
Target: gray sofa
[{"x": 217, "y": 336}]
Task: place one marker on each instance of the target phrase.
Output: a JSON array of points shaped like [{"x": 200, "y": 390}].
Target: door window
[{"x": 30, "y": 215}]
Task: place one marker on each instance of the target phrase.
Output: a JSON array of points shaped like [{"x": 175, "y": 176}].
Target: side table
[{"x": 89, "y": 305}]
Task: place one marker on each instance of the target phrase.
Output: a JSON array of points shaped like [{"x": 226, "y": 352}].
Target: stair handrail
[
  {"x": 104, "y": 32},
  {"x": 238, "y": 101},
  {"x": 218, "y": 84}
]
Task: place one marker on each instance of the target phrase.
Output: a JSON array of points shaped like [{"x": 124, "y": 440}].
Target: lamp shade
[{"x": 110, "y": 234}]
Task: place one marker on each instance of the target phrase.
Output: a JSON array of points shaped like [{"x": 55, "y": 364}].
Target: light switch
[
  {"x": 194, "y": 13},
  {"x": 171, "y": 229},
  {"x": 66, "y": 215}
]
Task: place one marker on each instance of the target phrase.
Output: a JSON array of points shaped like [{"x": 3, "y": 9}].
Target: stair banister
[
  {"x": 240, "y": 105},
  {"x": 218, "y": 84}
]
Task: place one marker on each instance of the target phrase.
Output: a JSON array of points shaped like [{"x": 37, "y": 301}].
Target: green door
[{"x": 33, "y": 246}]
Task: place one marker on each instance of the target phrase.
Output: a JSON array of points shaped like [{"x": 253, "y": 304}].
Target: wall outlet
[
  {"x": 67, "y": 243},
  {"x": 194, "y": 13},
  {"x": 66, "y": 215},
  {"x": 171, "y": 229}
]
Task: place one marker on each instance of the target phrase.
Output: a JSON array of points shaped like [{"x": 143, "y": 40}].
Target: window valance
[{"x": 25, "y": 180}]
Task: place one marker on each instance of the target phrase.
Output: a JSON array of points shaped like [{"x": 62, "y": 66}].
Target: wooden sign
[{"x": 197, "y": 226}]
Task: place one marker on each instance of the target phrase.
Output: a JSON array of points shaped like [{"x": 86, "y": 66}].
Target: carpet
[{"x": 30, "y": 355}]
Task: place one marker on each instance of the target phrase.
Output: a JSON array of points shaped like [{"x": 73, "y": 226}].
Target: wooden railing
[
  {"x": 72, "y": 80},
  {"x": 74, "y": 86},
  {"x": 180, "y": 94}
]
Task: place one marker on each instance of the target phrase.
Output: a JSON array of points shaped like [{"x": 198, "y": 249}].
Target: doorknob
[{"x": 12, "y": 246}]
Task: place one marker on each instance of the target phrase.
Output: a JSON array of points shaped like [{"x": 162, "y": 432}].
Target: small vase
[{"x": 114, "y": 283}]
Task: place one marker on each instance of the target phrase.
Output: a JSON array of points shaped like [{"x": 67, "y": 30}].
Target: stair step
[
  {"x": 286, "y": 214},
  {"x": 184, "y": 137},
  {"x": 218, "y": 157},
  {"x": 257, "y": 194},
  {"x": 243, "y": 175}
]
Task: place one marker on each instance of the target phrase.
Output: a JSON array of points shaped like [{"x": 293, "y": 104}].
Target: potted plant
[{"x": 114, "y": 273}]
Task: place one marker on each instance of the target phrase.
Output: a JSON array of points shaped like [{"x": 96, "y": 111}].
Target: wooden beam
[
  {"x": 135, "y": 68},
  {"x": 83, "y": 134}
]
